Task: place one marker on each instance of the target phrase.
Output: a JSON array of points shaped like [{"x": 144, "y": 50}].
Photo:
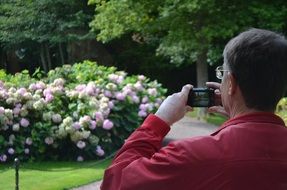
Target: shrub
[
  {"x": 282, "y": 109},
  {"x": 78, "y": 112}
]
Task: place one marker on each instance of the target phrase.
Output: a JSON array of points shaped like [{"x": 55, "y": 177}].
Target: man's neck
[{"x": 242, "y": 110}]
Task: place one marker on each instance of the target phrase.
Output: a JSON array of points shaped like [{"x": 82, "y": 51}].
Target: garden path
[{"x": 186, "y": 127}]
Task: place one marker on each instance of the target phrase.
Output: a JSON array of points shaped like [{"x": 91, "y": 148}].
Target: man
[{"x": 249, "y": 151}]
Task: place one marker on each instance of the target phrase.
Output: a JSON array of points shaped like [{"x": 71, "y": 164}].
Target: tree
[
  {"x": 44, "y": 23},
  {"x": 186, "y": 31}
]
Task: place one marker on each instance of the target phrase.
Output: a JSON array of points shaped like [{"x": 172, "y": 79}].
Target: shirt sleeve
[{"x": 141, "y": 150}]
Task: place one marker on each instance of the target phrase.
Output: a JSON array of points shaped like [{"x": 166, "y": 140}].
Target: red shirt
[{"x": 247, "y": 152}]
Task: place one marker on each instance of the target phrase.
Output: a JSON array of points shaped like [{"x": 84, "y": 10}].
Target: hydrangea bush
[{"x": 79, "y": 112}]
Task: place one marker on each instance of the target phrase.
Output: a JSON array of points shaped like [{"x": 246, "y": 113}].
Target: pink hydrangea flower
[
  {"x": 111, "y": 104},
  {"x": 120, "y": 96},
  {"x": 22, "y": 91},
  {"x": 90, "y": 90},
  {"x": 138, "y": 86},
  {"x": 81, "y": 144},
  {"x": 24, "y": 122},
  {"x": 57, "y": 118},
  {"x": 18, "y": 105},
  {"x": 93, "y": 124},
  {"x": 152, "y": 91},
  {"x": 26, "y": 150},
  {"x": 49, "y": 98},
  {"x": 99, "y": 116},
  {"x": 33, "y": 87},
  {"x": 3, "y": 158},
  {"x": 142, "y": 113},
  {"x": 40, "y": 85},
  {"x": 113, "y": 77},
  {"x": 49, "y": 140},
  {"x": 135, "y": 99},
  {"x": 80, "y": 158},
  {"x": 16, "y": 111},
  {"x": 145, "y": 99},
  {"x": 119, "y": 80},
  {"x": 80, "y": 87},
  {"x": 47, "y": 91},
  {"x": 2, "y": 110},
  {"x": 141, "y": 77},
  {"x": 108, "y": 124},
  {"x": 143, "y": 107},
  {"x": 86, "y": 119},
  {"x": 108, "y": 93},
  {"x": 76, "y": 125},
  {"x": 100, "y": 151},
  {"x": 29, "y": 141},
  {"x": 11, "y": 151}
]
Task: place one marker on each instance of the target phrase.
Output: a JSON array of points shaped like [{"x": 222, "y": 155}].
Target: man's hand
[
  {"x": 174, "y": 106},
  {"x": 218, "y": 108}
]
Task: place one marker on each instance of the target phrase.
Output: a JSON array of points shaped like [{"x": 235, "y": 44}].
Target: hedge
[{"x": 76, "y": 112}]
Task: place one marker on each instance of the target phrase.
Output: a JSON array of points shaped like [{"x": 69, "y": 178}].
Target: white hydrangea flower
[
  {"x": 61, "y": 133},
  {"x": 57, "y": 118},
  {"x": 47, "y": 116},
  {"x": 11, "y": 100},
  {"x": 24, "y": 112},
  {"x": 68, "y": 121},
  {"x": 9, "y": 113},
  {"x": 86, "y": 134},
  {"x": 16, "y": 127},
  {"x": 111, "y": 86},
  {"x": 75, "y": 137},
  {"x": 27, "y": 96},
  {"x": 39, "y": 105},
  {"x": 59, "y": 82}
]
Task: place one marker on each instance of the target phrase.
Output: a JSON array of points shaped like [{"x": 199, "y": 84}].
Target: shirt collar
[{"x": 261, "y": 117}]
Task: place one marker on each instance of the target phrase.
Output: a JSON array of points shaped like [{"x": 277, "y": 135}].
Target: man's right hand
[
  {"x": 218, "y": 108},
  {"x": 174, "y": 106}
]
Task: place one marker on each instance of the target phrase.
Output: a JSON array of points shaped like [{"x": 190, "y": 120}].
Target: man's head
[{"x": 257, "y": 61}]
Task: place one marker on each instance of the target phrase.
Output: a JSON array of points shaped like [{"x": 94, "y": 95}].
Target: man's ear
[{"x": 232, "y": 84}]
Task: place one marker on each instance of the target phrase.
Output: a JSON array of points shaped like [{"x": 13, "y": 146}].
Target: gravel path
[{"x": 186, "y": 127}]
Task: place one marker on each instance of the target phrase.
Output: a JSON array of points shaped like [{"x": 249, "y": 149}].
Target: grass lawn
[
  {"x": 212, "y": 118},
  {"x": 52, "y": 175},
  {"x": 215, "y": 119}
]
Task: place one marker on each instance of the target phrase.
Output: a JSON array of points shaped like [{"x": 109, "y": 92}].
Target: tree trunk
[
  {"x": 42, "y": 55},
  {"x": 202, "y": 68},
  {"x": 48, "y": 56},
  {"x": 61, "y": 54},
  {"x": 3, "y": 62},
  {"x": 12, "y": 62},
  {"x": 202, "y": 77},
  {"x": 89, "y": 50}
]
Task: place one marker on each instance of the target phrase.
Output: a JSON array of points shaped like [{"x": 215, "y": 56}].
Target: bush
[
  {"x": 78, "y": 112},
  {"x": 282, "y": 109}
]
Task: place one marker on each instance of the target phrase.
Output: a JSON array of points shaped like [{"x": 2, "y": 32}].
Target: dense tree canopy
[
  {"x": 186, "y": 30},
  {"x": 44, "y": 23}
]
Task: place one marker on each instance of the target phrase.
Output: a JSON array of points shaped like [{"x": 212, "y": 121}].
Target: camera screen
[{"x": 201, "y": 98}]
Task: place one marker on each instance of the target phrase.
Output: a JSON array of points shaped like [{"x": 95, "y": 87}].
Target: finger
[
  {"x": 185, "y": 89},
  {"x": 217, "y": 91},
  {"x": 188, "y": 109},
  {"x": 217, "y": 95},
  {"x": 214, "y": 85},
  {"x": 218, "y": 109}
]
